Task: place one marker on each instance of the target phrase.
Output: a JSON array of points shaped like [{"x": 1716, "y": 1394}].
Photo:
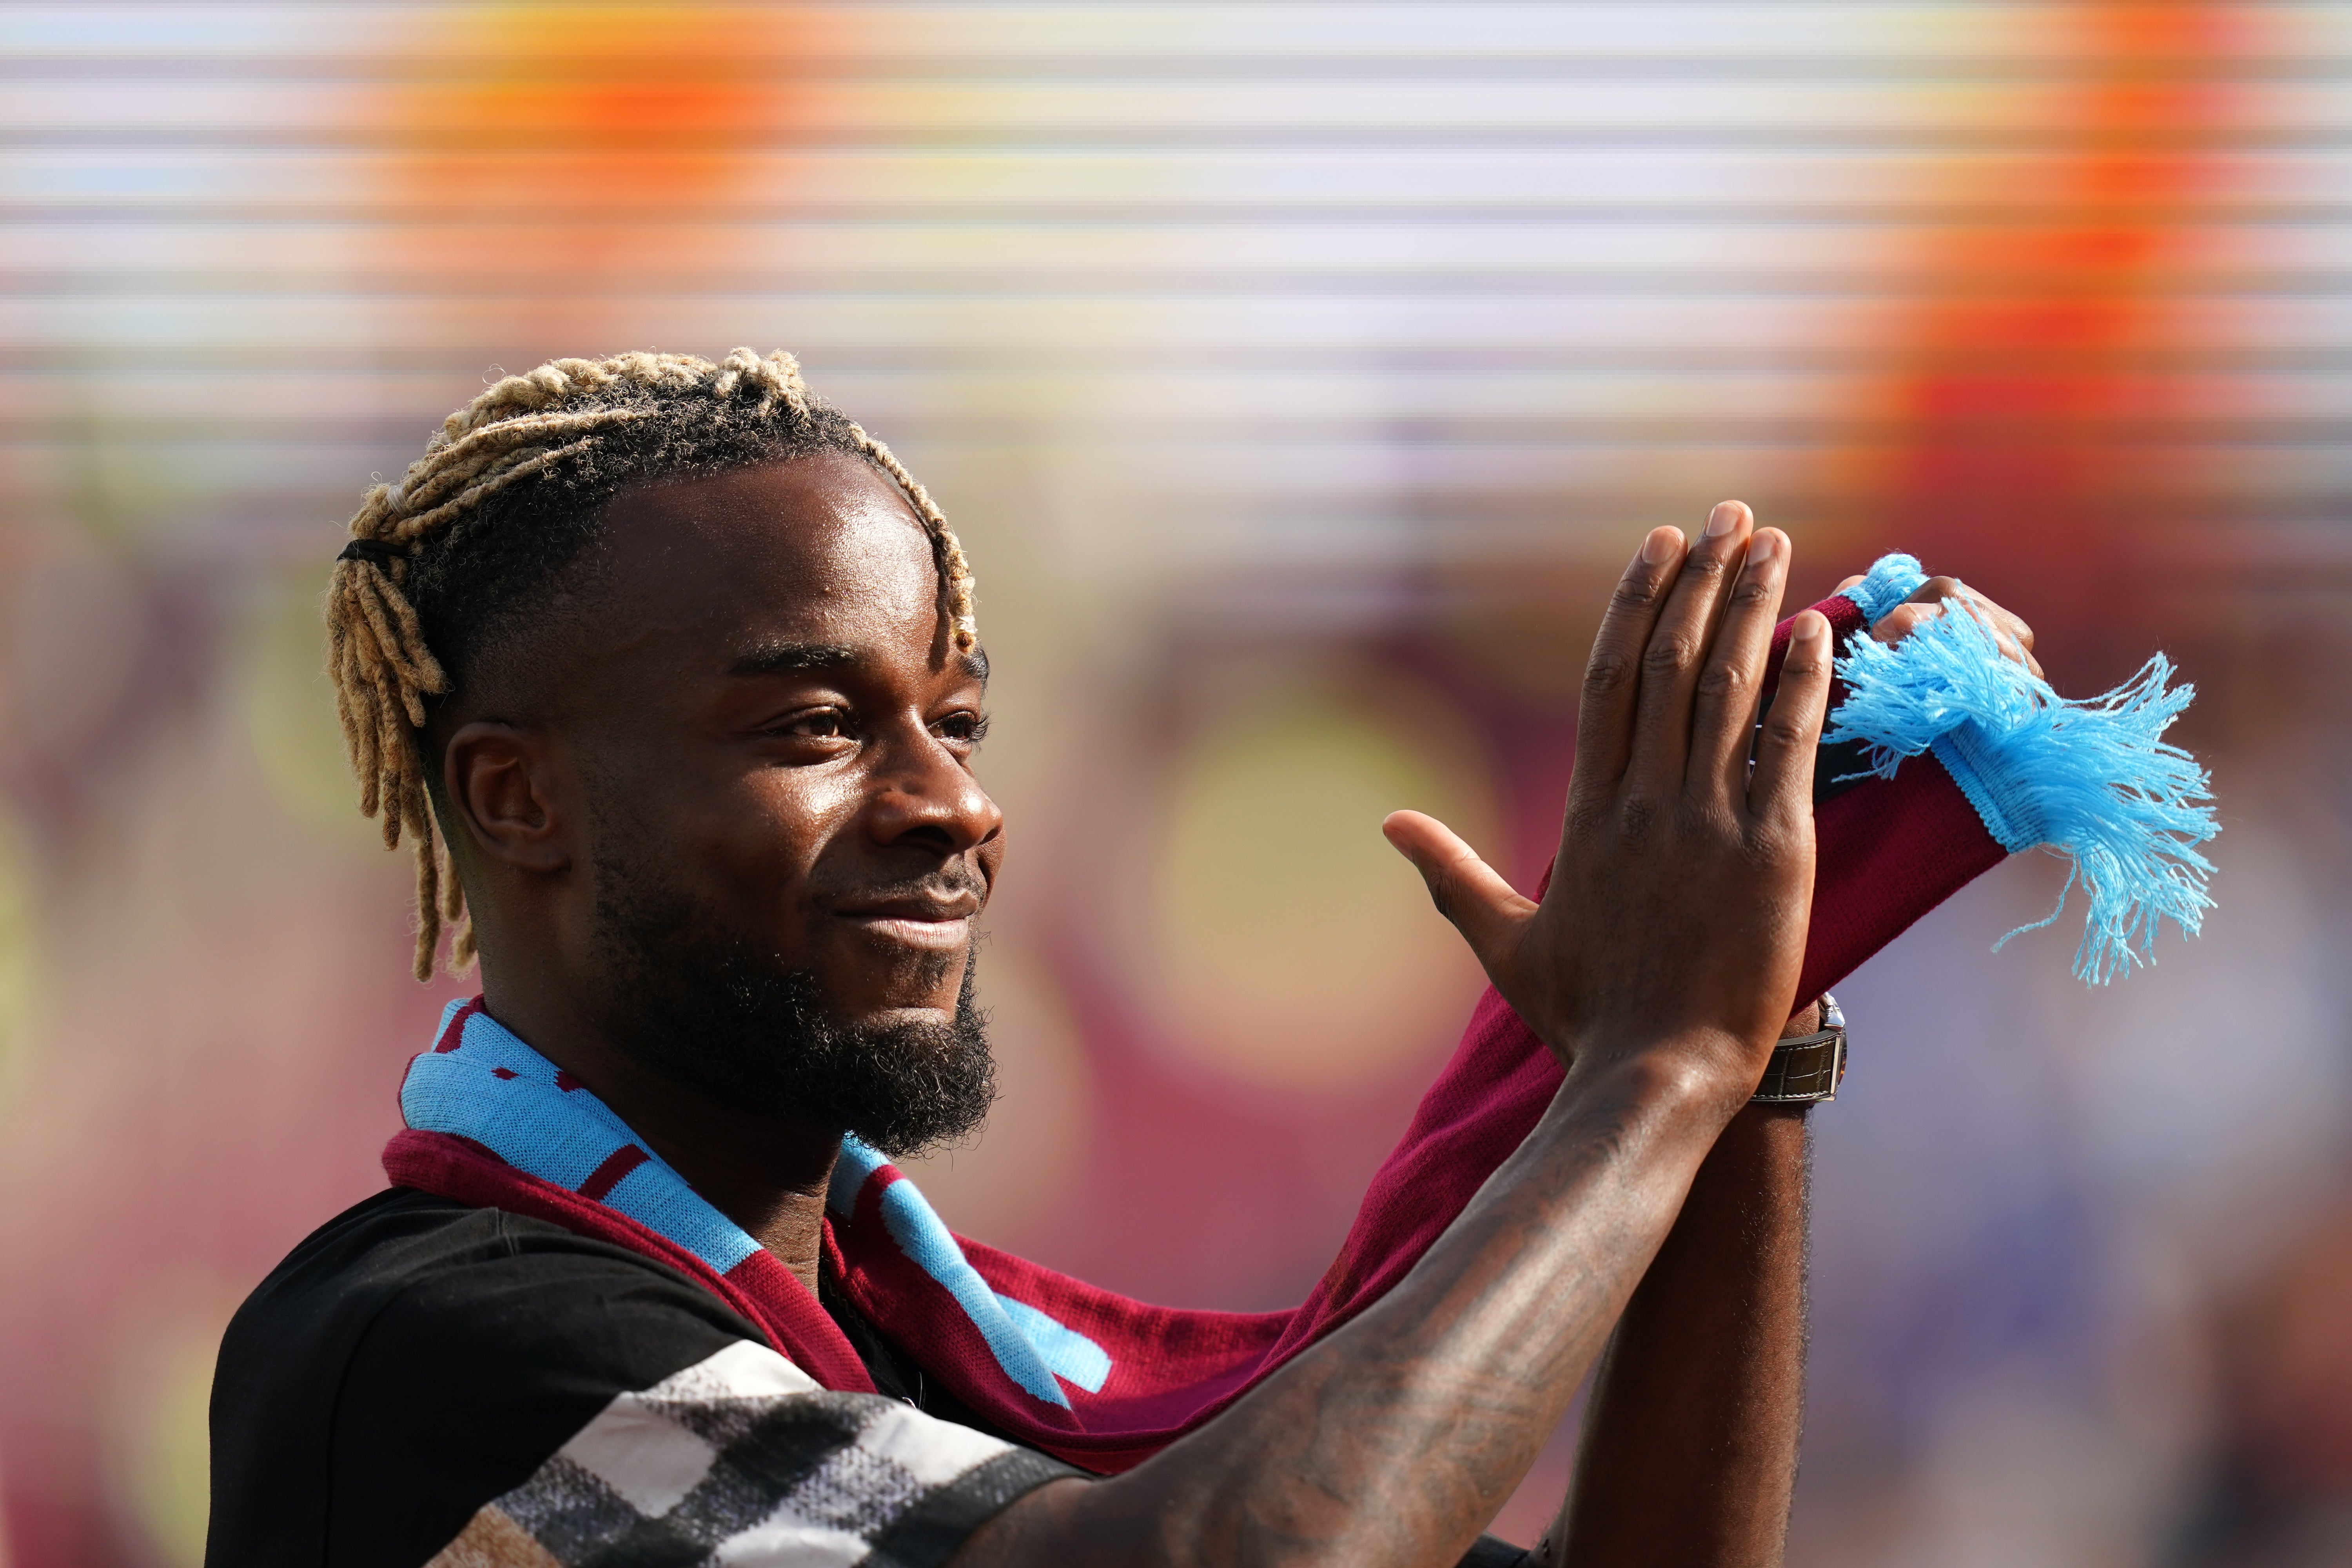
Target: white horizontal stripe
[
  {"x": 637, "y": 1448},
  {"x": 644, "y": 1456},
  {"x": 744, "y": 1370},
  {"x": 818, "y": 33},
  {"x": 931, "y": 1450},
  {"x": 786, "y": 1544}
]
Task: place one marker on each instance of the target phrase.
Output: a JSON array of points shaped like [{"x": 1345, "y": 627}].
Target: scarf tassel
[{"x": 2092, "y": 781}]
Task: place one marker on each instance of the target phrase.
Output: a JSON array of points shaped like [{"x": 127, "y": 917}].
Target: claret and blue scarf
[{"x": 1943, "y": 757}]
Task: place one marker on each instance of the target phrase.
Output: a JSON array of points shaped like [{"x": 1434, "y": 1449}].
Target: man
[{"x": 680, "y": 667}]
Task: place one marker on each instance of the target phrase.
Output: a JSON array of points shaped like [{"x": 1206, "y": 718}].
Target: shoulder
[
  {"x": 416, "y": 1357},
  {"x": 420, "y": 1381},
  {"x": 745, "y": 1457},
  {"x": 474, "y": 1305},
  {"x": 486, "y": 1293}
]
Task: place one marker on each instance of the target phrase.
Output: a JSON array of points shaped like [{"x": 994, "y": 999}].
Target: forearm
[
  {"x": 1395, "y": 1440},
  {"x": 1690, "y": 1438}
]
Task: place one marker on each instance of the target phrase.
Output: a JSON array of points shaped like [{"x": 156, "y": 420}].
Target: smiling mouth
[{"x": 939, "y": 933}]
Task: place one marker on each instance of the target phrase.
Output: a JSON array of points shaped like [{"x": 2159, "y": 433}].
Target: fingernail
[
  {"x": 1660, "y": 547},
  {"x": 1723, "y": 519},
  {"x": 1763, "y": 547},
  {"x": 1809, "y": 626}
]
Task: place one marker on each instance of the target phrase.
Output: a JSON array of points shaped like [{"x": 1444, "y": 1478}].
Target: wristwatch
[{"x": 1807, "y": 1070}]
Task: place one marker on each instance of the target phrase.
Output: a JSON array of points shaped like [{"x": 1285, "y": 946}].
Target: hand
[
  {"x": 2015, "y": 638},
  {"x": 1679, "y": 901}
]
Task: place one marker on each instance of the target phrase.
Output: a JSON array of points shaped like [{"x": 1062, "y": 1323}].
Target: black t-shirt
[
  {"x": 425, "y": 1382},
  {"x": 421, "y": 1376}
]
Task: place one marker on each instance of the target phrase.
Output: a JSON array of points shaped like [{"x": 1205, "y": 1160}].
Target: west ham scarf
[{"x": 1942, "y": 758}]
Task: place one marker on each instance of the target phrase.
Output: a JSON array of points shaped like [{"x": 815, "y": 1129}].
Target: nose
[{"x": 927, "y": 796}]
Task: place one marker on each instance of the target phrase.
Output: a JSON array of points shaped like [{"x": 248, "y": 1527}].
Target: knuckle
[
  {"x": 1637, "y": 818},
  {"x": 1798, "y": 669},
  {"x": 1697, "y": 818},
  {"x": 1754, "y": 588},
  {"x": 1669, "y": 653},
  {"x": 1774, "y": 842},
  {"x": 1796, "y": 673},
  {"x": 1608, "y": 670},
  {"x": 1722, "y": 682},
  {"x": 1444, "y": 893},
  {"x": 1635, "y": 591}
]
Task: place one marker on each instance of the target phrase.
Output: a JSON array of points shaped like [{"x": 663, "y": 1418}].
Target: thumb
[{"x": 1486, "y": 910}]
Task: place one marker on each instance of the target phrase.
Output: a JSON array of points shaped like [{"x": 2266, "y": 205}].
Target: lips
[{"x": 942, "y": 924}]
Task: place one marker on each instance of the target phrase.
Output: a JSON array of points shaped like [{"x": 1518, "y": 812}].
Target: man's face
[{"x": 774, "y": 737}]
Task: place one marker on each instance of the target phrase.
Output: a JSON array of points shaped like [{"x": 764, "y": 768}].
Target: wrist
[
  {"x": 1697, "y": 1074},
  {"x": 1808, "y": 1063}
]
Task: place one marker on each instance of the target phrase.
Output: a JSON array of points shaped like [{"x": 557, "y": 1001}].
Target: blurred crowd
[{"x": 1298, "y": 376}]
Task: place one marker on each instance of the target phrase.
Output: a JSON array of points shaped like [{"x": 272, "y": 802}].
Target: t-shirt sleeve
[
  {"x": 544, "y": 1400},
  {"x": 741, "y": 1459}
]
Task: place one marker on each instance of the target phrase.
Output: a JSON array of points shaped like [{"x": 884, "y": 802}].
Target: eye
[
  {"x": 966, "y": 729},
  {"x": 815, "y": 724}
]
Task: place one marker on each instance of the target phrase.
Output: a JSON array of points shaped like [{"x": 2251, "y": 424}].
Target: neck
[{"x": 767, "y": 1173}]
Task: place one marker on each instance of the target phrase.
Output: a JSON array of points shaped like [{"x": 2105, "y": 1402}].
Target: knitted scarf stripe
[{"x": 481, "y": 1083}]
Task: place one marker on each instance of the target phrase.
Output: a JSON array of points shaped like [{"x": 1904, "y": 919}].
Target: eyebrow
[
  {"x": 786, "y": 658},
  {"x": 792, "y": 657}
]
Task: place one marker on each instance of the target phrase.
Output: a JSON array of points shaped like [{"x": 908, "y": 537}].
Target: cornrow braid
[{"x": 443, "y": 567}]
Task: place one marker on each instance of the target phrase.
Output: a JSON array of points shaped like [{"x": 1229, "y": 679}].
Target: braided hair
[{"x": 445, "y": 567}]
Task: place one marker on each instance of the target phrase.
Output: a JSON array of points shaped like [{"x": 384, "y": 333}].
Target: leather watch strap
[{"x": 1807, "y": 1070}]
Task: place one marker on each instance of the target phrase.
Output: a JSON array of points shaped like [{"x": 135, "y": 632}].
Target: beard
[{"x": 715, "y": 1011}]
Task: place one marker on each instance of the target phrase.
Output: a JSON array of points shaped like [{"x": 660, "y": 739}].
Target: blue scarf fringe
[
  {"x": 1891, "y": 580},
  {"x": 2093, "y": 780}
]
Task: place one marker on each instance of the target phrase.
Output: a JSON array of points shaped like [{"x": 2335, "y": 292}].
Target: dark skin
[
  {"x": 756, "y": 682},
  {"x": 784, "y": 711}
]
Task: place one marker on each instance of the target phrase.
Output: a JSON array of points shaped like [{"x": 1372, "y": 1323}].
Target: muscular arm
[
  {"x": 1689, "y": 1451},
  {"x": 1660, "y": 966},
  {"x": 1396, "y": 1439}
]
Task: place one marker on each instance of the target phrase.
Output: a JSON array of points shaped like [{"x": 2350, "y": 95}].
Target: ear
[{"x": 501, "y": 783}]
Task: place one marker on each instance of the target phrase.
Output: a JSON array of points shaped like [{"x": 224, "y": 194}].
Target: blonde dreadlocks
[{"x": 507, "y": 494}]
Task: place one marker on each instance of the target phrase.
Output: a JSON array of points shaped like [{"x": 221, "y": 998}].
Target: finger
[
  {"x": 2009, "y": 632},
  {"x": 1486, "y": 910},
  {"x": 1604, "y": 717},
  {"x": 1780, "y": 790},
  {"x": 1678, "y": 643},
  {"x": 1849, "y": 582},
  {"x": 2015, "y": 638},
  {"x": 2009, "y": 628},
  {"x": 1924, "y": 604},
  {"x": 1723, "y": 712},
  {"x": 1903, "y": 620}
]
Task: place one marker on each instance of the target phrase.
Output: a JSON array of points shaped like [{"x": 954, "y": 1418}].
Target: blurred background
[{"x": 1298, "y": 376}]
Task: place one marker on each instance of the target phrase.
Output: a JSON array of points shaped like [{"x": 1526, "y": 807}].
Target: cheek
[
  {"x": 786, "y": 816},
  {"x": 758, "y": 840}
]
